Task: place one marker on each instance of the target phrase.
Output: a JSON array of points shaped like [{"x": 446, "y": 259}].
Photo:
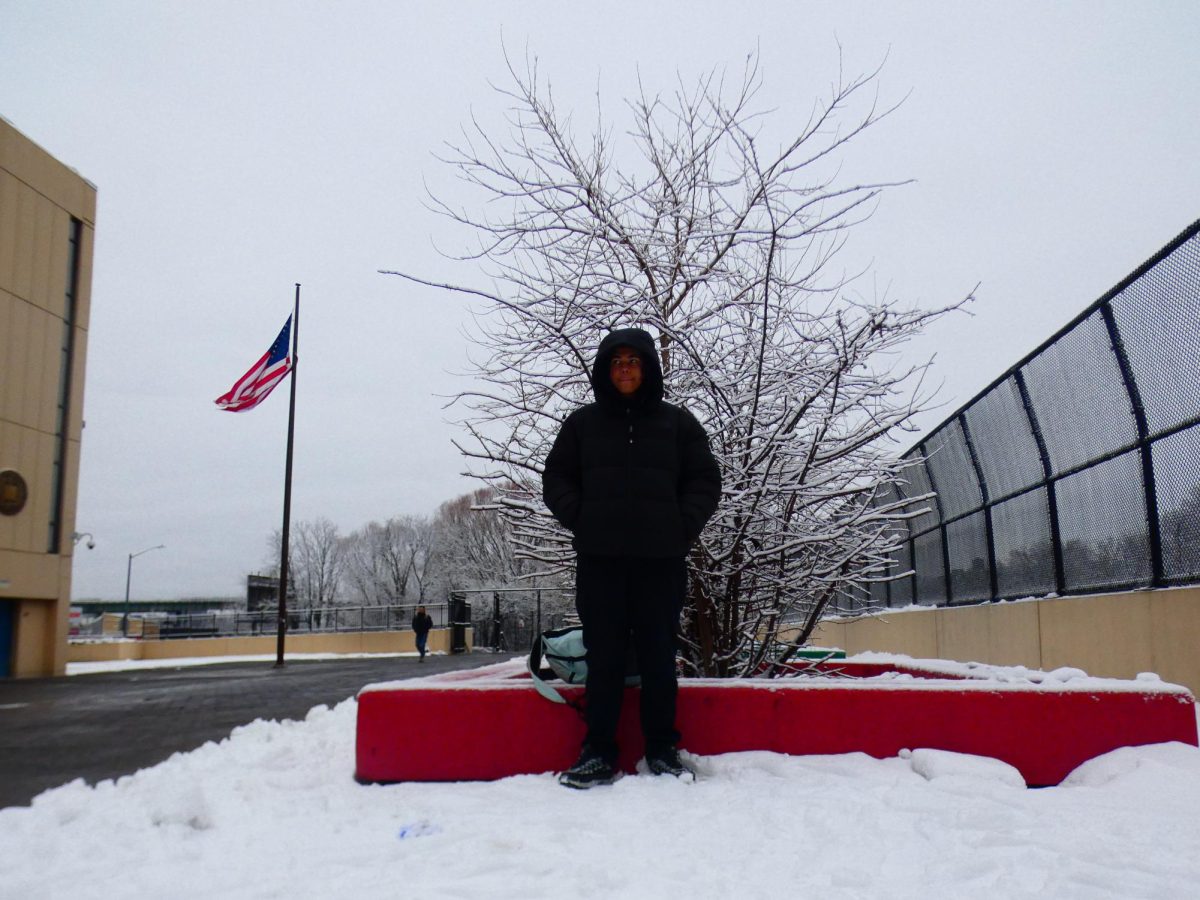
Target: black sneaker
[
  {"x": 590, "y": 770},
  {"x": 666, "y": 761}
]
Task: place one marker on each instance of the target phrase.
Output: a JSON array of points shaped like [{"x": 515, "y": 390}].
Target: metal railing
[
  {"x": 228, "y": 623},
  {"x": 1076, "y": 471},
  {"x": 509, "y": 622}
]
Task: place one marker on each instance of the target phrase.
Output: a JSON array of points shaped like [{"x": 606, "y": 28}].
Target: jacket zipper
[{"x": 629, "y": 470}]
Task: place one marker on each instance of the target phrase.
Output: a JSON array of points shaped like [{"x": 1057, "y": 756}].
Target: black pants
[{"x": 624, "y": 602}]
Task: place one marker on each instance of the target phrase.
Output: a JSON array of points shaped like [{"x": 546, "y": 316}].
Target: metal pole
[
  {"x": 125, "y": 618},
  {"x": 128, "y": 575},
  {"x": 281, "y": 626}
]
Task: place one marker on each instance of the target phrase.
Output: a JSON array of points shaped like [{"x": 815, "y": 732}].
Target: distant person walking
[{"x": 421, "y": 623}]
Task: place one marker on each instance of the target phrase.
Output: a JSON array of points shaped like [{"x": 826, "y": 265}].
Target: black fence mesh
[
  {"x": 1079, "y": 469},
  {"x": 1102, "y": 525},
  {"x": 1024, "y": 548},
  {"x": 929, "y": 562},
  {"x": 970, "y": 571},
  {"x": 1003, "y": 441},
  {"x": 902, "y": 588},
  {"x": 915, "y": 483},
  {"x": 1079, "y": 397},
  {"x": 951, "y": 471},
  {"x": 1157, "y": 316},
  {"x": 1177, "y": 480}
]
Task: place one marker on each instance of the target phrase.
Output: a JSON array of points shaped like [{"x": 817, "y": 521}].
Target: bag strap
[{"x": 534, "y": 664}]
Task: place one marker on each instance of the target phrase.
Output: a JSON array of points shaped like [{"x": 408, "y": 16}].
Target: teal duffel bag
[{"x": 566, "y": 656}]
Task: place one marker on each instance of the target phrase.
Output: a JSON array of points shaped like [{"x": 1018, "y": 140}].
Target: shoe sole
[
  {"x": 584, "y": 785},
  {"x": 685, "y": 775}
]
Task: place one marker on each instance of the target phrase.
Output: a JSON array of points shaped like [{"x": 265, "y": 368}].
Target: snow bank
[{"x": 274, "y": 811}]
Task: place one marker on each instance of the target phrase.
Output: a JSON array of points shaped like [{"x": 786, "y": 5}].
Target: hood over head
[{"x": 639, "y": 340}]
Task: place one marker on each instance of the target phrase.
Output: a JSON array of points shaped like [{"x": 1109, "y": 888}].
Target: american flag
[{"x": 253, "y": 387}]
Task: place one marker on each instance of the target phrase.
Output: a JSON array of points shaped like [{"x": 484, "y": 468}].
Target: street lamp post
[{"x": 128, "y": 575}]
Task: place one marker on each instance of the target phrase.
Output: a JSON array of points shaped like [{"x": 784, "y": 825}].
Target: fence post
[
  {"x": 993, "y": 578},
  {"x": 495, "y": 621},
  {"x": 459, "y": 613},
  {"x": 948, "y": 593},
  {"x": 912, "y": 556},
  {"x": 1143, "y": 431},
  {"x": 1060, "y": 577}
]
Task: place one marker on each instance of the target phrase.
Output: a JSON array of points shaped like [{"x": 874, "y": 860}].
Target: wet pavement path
[{"x": 54, "y": 730}]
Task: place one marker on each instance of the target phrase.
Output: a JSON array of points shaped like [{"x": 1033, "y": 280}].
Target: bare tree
[
  {"x": 475, "y": 550},
  {"x": 317, "y": 564},
  {"x": 723, "y": 243},
  {"x": 474, "y": 547},
  {"x": 422, "y": 546},
  {"x": 384, "y": 560}
]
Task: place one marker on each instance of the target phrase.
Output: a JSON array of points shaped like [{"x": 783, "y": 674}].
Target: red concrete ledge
[{"x": 490, "y": 723}]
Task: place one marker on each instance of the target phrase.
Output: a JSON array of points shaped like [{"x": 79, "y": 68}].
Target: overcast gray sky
[{"x": 239, "y": 148}]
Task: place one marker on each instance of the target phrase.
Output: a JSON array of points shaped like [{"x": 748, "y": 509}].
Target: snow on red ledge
[
  {"x": 1008, "y": 677},
  {"x": 488, "y": 723},
  {"x": 864, "y": 671}
]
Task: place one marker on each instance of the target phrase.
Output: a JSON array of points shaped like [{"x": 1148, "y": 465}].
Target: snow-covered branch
[{"x": 723, "y": 243}]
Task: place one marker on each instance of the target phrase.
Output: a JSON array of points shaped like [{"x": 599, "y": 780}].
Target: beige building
[{"x": 47, "y": 227}]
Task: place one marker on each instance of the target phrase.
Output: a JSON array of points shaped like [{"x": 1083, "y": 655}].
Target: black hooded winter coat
[{"x": 631, "y": 476}]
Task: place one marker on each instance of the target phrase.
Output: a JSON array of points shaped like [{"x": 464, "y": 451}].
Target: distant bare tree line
[{"x": 406, "y": 560}]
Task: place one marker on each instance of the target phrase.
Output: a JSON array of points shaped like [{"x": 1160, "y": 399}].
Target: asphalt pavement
[{"x": 54, "y": 730}]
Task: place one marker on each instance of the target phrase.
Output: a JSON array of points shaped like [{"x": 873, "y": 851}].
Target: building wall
[
  {"x": 39, "y": 200},
  {"x": 1109, "y": 635}
]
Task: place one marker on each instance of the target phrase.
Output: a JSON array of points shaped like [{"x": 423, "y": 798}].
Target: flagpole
[{"x": 281, "y": 627}]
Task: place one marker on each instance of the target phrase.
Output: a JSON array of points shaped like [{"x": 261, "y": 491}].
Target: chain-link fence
[{"x": 1076, "y": 471}]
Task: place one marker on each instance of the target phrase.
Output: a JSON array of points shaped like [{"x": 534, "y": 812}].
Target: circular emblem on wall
[{"x": 13, "y": 492}]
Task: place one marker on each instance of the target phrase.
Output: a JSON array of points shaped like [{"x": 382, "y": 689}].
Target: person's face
[{"x": 625, "y": 370}]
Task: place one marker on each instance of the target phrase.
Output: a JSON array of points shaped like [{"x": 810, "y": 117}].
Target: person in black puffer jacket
[{"x": 633, "y": 479}]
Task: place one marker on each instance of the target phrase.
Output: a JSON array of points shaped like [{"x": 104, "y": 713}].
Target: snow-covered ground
[{"x": 274, "y": 811}]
